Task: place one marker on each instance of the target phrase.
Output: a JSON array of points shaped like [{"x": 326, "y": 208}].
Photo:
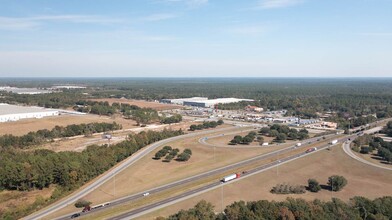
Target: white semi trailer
[{"x": 230, "y": 177}]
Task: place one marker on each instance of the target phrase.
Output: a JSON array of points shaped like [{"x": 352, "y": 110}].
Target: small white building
[{"x": 15, "y": 112}]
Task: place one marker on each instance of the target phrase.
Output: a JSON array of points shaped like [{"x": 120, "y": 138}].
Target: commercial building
[
  {"x": 181, "y": 101},
  {"x": 203, "y": 102},
  {"x": 212, "y": 102},
  {"x": 15, "y": 112},
  {"x": 68, "y": 87},
  {"x": 251, "y": 108}
]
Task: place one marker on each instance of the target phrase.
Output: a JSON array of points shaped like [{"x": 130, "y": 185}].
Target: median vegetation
[
  {"x": 168, "y": 154},
  {"x": 284, "y": 132},
  {"x": 206, "y": 125},
  {"x": 247, "y": 139}
]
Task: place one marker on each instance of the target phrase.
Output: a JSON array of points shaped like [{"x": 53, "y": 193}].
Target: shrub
[{"x": 313, "y": 185}]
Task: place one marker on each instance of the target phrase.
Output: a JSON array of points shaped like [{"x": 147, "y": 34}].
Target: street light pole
[{"x": 222, "y": 197}]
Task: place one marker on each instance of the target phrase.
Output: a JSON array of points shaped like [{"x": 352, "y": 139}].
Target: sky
[{"x": 196, "y": 38}]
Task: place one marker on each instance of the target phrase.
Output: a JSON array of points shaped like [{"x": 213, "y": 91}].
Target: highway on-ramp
[
  {"x": 109, "y": 174},
  {"x": 347, "y": 150}
]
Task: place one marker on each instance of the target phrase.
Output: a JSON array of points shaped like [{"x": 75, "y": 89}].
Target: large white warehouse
[
  {"x": 203, "y": 101},
  {"x": 212, "y": 102},
  {"x": 15, "y": 112},
  {"x": 181, "y": 101}
]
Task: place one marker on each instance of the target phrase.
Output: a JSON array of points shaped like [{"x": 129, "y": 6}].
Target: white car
[{"x": 146, "y": 194}]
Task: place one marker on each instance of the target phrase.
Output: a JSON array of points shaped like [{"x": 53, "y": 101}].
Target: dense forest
[
  {"x": 291, "y": 209},
  {"x": 24, "y": 170},
  {"x": 301, "y": 96},
  {"x": 41, "y": 136}
]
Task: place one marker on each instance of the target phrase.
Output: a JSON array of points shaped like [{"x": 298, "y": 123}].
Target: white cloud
[
  {"x": 158, "y": 17},
  {"x": 25, "y": 23},
  {"x": 268, "y": 4}
]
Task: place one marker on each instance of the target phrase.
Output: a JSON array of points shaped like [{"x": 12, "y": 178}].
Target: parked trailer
[
  {"x": 334, "y": 142},
  {"x": 231, "y": 177},
  {"x": 311, "y": 149}
]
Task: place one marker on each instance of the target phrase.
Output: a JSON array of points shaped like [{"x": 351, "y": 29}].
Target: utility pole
[
  {"x": 214, "y": 154},
  {"x": 277, "y": 167},
  {"x": 222, "y": 197},
  {"x": 114, "y": 194}
]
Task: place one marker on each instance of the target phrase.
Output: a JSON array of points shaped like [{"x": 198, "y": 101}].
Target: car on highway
[
  {"x": 146, "y": 194},
  {"x": 75, "y": 215}
]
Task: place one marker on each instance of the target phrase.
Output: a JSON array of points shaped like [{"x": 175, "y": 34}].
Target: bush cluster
[
  {"x": 205, "y": 125},
  {"x": 169, "y": 154},
  {"x": 288, "y": 189}
]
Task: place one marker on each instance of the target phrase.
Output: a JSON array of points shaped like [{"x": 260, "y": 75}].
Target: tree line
[
  {"x": 356, "y": 208},
  {"x": 41, "y": 136},
  {"x": 284, "y": 132},
  {"x": 172, "y": 119},
  {"x": 24, "y": 170},
  {"x": 206, "y": 125},
  {"x": 366, "y": 144},
  {"x": 170, "y": 153}
]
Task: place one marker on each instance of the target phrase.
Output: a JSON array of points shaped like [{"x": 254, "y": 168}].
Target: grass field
[
  {"x": 140, "y": 103},
  {"x": 363, "y": 180},
  {"x": 148, "y": 173},
  {"x": 19, "y": 199}
]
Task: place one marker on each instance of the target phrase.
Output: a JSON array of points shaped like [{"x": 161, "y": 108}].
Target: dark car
[{"x": 75, "y": 215}]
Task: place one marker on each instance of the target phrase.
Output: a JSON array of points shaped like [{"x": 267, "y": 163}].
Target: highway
[
  {"x": 166, "y": 202},
  {"x": 204, "y": 175},
  {"x": 108, "y": 175},
  {"x": 131, "y": 160}
]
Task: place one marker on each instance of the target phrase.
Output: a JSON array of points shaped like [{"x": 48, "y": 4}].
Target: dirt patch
[
  {"x": 80, "y": 143},
  {"x": 363, "y": 180},
  {"x": 140, "y": 103},
  {"x": 24, "y": 126}
]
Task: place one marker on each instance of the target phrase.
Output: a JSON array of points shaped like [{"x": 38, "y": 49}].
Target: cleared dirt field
[
  {"x": 24, "y": 126},
  {"x": 148, "y": 173},
  {"x": 80, "y": 143},
  {"x": 363, "y": 180},
  {"x": 140, "y": 103}
]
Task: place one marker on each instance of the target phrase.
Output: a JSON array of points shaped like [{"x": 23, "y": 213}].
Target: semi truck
[
  {"x": 231, "y": 177},
  {"x": 334, "y": 142},
  {"x": 311, "y": 149}
]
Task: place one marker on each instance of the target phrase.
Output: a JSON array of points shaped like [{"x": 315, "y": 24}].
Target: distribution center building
[
  {"x": 203, "y": 102},
  {"x": 15, "y": 112}
]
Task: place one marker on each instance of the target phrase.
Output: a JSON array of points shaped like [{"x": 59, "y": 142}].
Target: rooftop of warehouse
[{"x": 6, "y": 109}]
